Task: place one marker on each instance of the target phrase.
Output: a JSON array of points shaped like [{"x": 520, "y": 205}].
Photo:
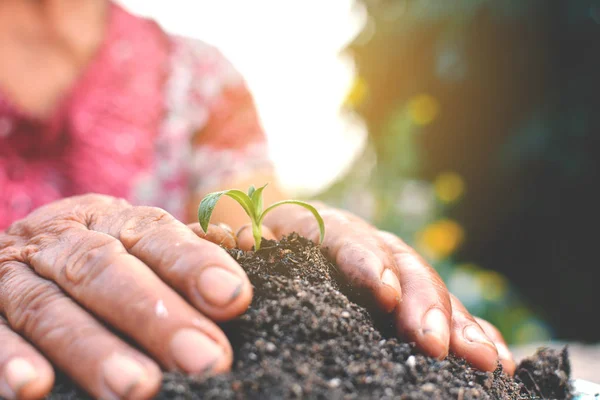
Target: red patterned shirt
[{"x": 153, "y": 119}]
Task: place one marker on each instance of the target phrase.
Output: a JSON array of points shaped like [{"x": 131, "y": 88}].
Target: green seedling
[{"x": 252, "y": 203}]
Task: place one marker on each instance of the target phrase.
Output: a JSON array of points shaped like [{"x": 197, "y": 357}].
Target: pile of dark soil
[{"x": 303, "y": 338}]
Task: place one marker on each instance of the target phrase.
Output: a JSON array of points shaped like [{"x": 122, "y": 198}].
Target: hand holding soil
[
  {"x": 401, "y": 283},
  {"x": 80, "y": 263},
  {"x": 94, "y": 258},
  {"x": 302, "y": 337}
]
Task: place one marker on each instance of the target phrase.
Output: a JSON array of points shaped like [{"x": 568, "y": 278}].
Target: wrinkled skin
[{"x": 76, "y": 267}]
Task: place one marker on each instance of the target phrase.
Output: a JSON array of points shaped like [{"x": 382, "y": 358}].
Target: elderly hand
[
  {"x": 79, "y": 264},
  {"x": 400, "y": 281}
]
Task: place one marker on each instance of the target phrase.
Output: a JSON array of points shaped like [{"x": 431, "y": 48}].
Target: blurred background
[{"x": 467, "y": 127}]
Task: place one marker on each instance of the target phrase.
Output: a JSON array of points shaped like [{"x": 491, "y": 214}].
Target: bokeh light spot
[
  {"x": 449, "y": 187},
  {"x": 463, "y": 283},
  {"x": 440, "y": 239},
  {"x": 493, "y": 284},
  {"x": 423, "y": 109},
  {"x": 532, "y": 330}
]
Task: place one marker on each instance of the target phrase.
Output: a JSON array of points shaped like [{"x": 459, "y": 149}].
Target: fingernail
[
  {"x": 229, "y": 232},
  {"x": 506, "y": 358},
  {"x": 242, "y": 229},
  {"x": 218, "y": 286},
  {"x": 226, "y": 228},
  {"x": 475, "y": 335},
  {"x": 389, "y": 278},
  {"x": 435, "y": 325},
  {"x": 194, "y": 352},
  {"x": 503, "y": 352},
  {"x": 18, "y": 372},
  {"x": 122, "y": 374}
]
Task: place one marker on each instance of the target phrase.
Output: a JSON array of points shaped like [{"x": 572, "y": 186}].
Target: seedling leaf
[
  {"x": 310, "y": 208},
  {"x": 252, "y": 203},
  {"x": 257, "y": 199},
  {"x": 208, "y": 203}
]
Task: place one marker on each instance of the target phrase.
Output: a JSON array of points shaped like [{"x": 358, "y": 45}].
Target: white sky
[{"x": 288, "y": 51}]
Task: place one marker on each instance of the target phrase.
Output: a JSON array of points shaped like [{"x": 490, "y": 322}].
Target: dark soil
[
  {"x": 547, "y": 374},
  {"x": 303, "y": 338}
]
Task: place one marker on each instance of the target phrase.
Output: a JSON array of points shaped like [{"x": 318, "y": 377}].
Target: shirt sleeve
[{"x": 231, "y": 144}]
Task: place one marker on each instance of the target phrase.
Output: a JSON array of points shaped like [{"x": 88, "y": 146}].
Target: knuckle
[
  {"x": 8, "y": 254},
  {"x": 93, "y": 198},
  {"x": 87, "y": 263},
  {"x": 28, "y": 303},
  {"x": 62, "y": 213},
  {"x": 50, "y": 218},
  {"x": 99, "y": 210},
  {"x": 152, "y": 215},
  {"x": 22, "y": 228},
  {"x": 143, "y": 222}
]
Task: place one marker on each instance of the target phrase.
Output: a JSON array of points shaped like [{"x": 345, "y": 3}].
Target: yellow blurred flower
[
  {"x": 468, "y": 268},
  {"x": 449, "y": 187},
  {"x": 423, "y": 109},
  {"x": 493, "y": 285},
  {"x": 532, "y": 331},
  {"x": 357, "y": 93},
  {"x": 441, "y": 238}
]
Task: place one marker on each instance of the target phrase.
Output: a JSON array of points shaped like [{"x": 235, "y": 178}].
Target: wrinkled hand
[
  {"x": 400, "y": 281},
  {"x": 77, "y": 265}
]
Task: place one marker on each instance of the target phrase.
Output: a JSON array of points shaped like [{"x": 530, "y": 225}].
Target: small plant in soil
[{"x": 252, "y": 203}]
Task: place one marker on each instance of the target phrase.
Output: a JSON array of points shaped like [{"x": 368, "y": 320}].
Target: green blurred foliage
[{"x": 415, "y": 58}]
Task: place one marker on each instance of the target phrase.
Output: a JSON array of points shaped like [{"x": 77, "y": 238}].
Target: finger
[
  {"x": 425, "y": 312},
  {"x": 469, "y": 341},
  {"x": 351, "y": 244},
  {"x": 220, "y": 234},
  {"x": 96, "y": 359},
  {"x": 100, "y": 275},
  {"x": 506, "y": 358},
  {"x": 246, "y": 239},
  {"x": 200, "y": 270},
  {"x": 24, "y": 372}
]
